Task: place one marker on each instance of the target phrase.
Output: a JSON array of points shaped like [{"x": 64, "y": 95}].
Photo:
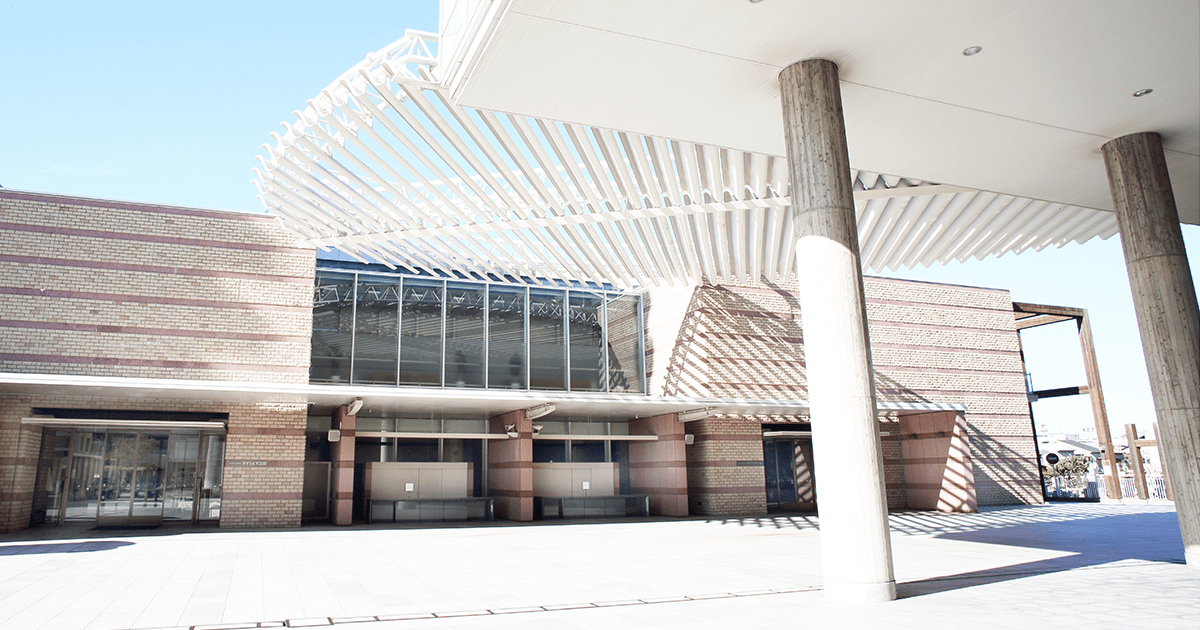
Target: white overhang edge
[
  {"x": 133, "y": 425},
  {"x": 384, "y": 166},
  {"x": 444, "y": 401}
]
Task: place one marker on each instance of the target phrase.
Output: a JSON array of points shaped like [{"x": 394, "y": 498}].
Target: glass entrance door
[
  {"x": 777, "y": 468},
  {"x": 131, "y": 486},
  {"x": 122, "y": 478}
]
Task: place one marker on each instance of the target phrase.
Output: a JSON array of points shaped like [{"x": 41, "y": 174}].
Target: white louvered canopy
[{"x": 383, "y": 166}]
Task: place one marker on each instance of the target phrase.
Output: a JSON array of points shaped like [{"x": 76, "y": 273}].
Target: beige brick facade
[
  {"x": 931, "y": 343},
  {"x": 109, "y": 289}
]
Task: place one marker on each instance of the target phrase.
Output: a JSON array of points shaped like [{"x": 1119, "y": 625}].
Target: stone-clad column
[
  {"x": 856, "y": 547},
  {"x": 510, "y": 467},
  {"x": 1164, "y": 298},
  {"x": 659, "y": 468},
  {"x": 343, "y": 468}
]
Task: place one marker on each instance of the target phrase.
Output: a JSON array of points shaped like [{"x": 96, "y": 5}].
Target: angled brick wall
[{"x": 930, "y": 343}]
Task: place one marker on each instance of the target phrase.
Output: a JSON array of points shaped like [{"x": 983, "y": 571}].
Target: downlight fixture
[
  {"x": 1143, "y": 92},
  {"x": 973, "y": 50}
]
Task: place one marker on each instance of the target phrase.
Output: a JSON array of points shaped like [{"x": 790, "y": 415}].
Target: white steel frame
[{"x": 384, "y": 166}]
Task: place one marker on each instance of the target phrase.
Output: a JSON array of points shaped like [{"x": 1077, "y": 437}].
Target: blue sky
[{"x": 169, "y": 103}]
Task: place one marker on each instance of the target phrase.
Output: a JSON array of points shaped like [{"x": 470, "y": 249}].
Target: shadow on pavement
[
  {"x": 1148, "y": 537},
  {"x": 75, "y": 547}
]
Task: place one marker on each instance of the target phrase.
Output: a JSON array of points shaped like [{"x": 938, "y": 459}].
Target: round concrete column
[
  {"x": 856, "y": 550},
  {"x": 1164, "y": 298}
]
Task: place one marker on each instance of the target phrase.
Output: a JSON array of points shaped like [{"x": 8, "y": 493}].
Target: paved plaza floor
[{"x": 1058, "y": 565}]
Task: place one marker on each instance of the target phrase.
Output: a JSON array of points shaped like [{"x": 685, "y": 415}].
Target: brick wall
[
  {"x": 725, "y": 467},
  {"x": 252, "y": 495},
  {"x": 930, "y": 343},
  {"x": 271, "y": 495},
  {"x": 109, "y": 289},
  {"x": 102, "y": 288}
]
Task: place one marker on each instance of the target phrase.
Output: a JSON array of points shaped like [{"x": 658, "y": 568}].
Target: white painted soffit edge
[
  {"x": 384, "y": 167},
  {"x": 446, "y": 402}
]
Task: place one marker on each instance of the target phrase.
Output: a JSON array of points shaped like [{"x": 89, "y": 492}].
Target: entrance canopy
[
  {"x": 416, "y": 402},
  {"x": 411, "y": 158},
  {"x": 1026, "y": 115}
]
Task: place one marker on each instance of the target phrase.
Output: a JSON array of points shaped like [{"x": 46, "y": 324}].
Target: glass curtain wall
[
  {"x": 624, "y": 333},
  {"x": 465, "y": 334},
  {"x": 547, "y": 340},
  {"x": 377, "y": 329},
  {"x": 586, "y": 339},
  {"x": 421, "y": 333},
  {"x": 333, "y": 323},
  {"x": 506, "y": 337}
]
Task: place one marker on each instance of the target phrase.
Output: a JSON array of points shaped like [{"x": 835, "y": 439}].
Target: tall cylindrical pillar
[
  {"x": 856, "y": 550},
  {"x": 1164, "y": 298}
]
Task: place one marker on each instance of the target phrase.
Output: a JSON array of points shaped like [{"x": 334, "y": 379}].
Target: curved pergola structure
[{"x": 383, "y": 165}]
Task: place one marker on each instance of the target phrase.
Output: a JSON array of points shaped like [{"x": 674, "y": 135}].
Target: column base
[
  {"x": 861, "y": 592},
  {"x": 1191, "y": 555}
]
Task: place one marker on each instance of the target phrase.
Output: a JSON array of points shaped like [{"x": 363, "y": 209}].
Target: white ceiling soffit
[
  {"x": 383, "y": 166},
  {"x": 1026, "y": 116}
]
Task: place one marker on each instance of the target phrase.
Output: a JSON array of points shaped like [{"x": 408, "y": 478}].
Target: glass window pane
[
  {"x": 376, "y": 330},
  {"x": 466, "y": 426},
  {"x": 421, "y": 333},
  {"x": 587, "y": 452},
  {"x": 421, "y": 451},
  {"x": 547, "y": 340},
  {"x": 506, "y": 338},
  {"x": 548, "y": 451},
  {"x": 587, "y": 361},
  {"x": 333, "y": 324},
  {"x": 464, "y": 335},
  {"x": 422, "y": 425},
  {"x": 624, "y": 343}
]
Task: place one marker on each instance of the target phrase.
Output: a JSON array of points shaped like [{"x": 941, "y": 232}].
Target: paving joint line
[{"x": 318, "y": 622}]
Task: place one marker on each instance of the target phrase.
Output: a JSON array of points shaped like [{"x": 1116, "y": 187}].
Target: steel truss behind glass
[{"x": 391, "y": 329}]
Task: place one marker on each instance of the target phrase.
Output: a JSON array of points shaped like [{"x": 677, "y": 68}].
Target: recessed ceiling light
[
  {"x": 973, "y": 50},
  {"x": 1143, "y": 92}
]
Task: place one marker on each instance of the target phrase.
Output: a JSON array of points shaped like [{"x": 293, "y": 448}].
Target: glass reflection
[
  {"x": 506, "y": 338},
  {"x": 586, "y": 339},
  {"x": 624, "y": 332},
  {"x": 333, "y": 321},
  {"x": 464, "y": 335},
  {"x": 421, "y": 333},
  {"x": 376, "y": 330},
  {"x": 547, "y": 340}
]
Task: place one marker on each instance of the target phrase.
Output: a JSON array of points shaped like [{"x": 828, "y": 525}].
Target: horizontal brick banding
[
  {"x": 701, "y": 490},
  {"x": 661, "y": 490},
  {"x": 515, "y": 494},
  {"x": 657, "y": 465},
  {"x": 240, "y": 429},
  {"x": 511, "y": 465},
  {"x": 261, "y": 496},
  {"x": 198, "y": 365},
  {"x": 181, "y": 271},
  {"x": 137, "y": 207},
  {"x": 344, "y": 495},
  {"x": 162, "y": 332},
  {"x": 947, "y": 350},
  {"x": 152, "y": 299},
  {"x": 727, "y": 437},
  {"x": 147, "y": 238}
]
